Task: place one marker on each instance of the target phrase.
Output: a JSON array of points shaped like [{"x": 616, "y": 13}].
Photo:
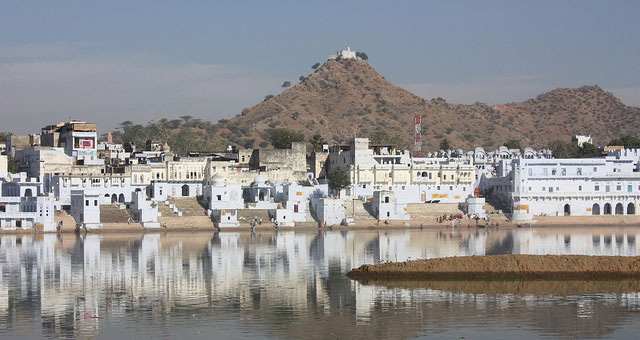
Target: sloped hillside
[
  {"x": 564, "y": 112},
  {"x": 345, "y": 98}
]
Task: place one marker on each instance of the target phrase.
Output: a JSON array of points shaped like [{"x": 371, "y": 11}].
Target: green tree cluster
[
  {"x": 338, "y": 178},
  {"x": 362, "y": 55},
  {"x": 281, "y": 138},
  {"x": 183, "y": 135},
  {"x": 316, "y": 142},
  {"x": 445, "y": 144},
  {"x": 513, "y": 144},
  {"x": 562, "y": 149},
  {"x": 629, "y": 142}
]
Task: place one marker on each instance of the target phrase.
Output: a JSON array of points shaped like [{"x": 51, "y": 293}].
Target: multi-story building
[
  {"x": 415, "y": 180},
  {"x": 593, "y": 186}
]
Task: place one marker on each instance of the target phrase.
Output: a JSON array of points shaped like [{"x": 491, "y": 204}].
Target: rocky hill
[{"x": 344, "y": 98}]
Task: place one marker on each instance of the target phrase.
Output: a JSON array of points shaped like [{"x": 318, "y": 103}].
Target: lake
[{"x": 292, "y": 285}]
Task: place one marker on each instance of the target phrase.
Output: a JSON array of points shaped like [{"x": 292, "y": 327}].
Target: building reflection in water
[{"x": 290, "y": 283}]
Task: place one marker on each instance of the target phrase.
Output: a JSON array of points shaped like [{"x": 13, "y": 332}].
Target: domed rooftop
[{"x": 259, "y": 181}]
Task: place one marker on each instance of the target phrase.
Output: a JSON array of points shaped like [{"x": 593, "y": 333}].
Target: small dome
[{"x": 259, "y": 181}]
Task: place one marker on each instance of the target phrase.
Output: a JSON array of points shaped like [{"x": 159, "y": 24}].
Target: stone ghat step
[
  {"x": 247, "y": 215},
  {"x": 164, "y": 210},
  {"x": 110, "y": 213},
  {"x": 189, "y": 206}
]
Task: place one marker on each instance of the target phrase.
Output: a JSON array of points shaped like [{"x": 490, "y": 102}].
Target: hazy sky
[{"x": 110, "y": 61}]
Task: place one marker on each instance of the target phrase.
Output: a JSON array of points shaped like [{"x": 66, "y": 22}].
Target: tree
[
  {"x": 513, "y": 144},
  {"x": 281, "y": 138},
  {"x": 4, "y": 135},
  {"x": 12, "y": 165},
  {"x": 588, "y": 150},
  {"x": 316, "y": 142},
  {"x": 362, "y": 55},
  {"x": 445, "y": 145},
  {"x": 338, "y": 178},
  {"x": 286, "y": 84},
  {"x": 267, "y": 97},
  {"x": 186, "y": 118},
  {"x": 562, "y": 149},
  {"x": 126, "y": 123},
  {"x": 630, "y": 142},
  {"x": 315, "y": 66},
  {"x": 301, "y": 78}
]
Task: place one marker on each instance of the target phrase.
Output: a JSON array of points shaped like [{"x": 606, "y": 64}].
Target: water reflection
[{"x": 293, "y": 284}]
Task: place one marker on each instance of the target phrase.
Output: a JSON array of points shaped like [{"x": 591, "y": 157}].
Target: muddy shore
[{"x": 558, "y": 267}]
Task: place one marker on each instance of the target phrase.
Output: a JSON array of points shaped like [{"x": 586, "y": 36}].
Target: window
[
  {"x": 545, "y": 172},
  {"x": 629, "y": 188},
  {"x": 579, "y": 172},
  {"x": 564, "y": 171},
  {"x": 597, "y": 188},
  {"x": 595, "y": 169},
  {"x": 553, "y": 172},
  {"x": 550, "y": 189},
  {"x": 579, "y": 187},
  {"x": 438, "y": 187},
  {"x": 618, "y": 187},
  {"x": 530, "y": 172},
  {"x": 529, "y": 188},
  {"x": 95, "y": 203},
  {"x": 607, "y": 189},
  {"x": 450, "y": 188},
  {"x": 86, "y": 203}
]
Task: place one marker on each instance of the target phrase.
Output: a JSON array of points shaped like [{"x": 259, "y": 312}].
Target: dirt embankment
[{"x": 558, "y": 267}]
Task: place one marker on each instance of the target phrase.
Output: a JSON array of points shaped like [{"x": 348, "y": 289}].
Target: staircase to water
[
  {"x": 110, "y": 213},
  {"x": 188, "y": 206}
]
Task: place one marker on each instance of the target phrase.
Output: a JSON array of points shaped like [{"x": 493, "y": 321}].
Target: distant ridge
[{"x": 347, "y": 97}]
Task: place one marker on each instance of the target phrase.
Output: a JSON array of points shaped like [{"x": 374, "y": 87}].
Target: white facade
[
  {"x": 415, "y": 180},
  {"x": 85, "y": 208},
  {"x": 385, "y": 206},
  {"x": 23, "y": 206},
  {"x": 579, "y": 187},
  {"x": 220, "y": 195},
  {"x": 329, "y": 211},
  {"x": 224, "y": 218},
  {"x": 144, "y": 211},
  {"x": 580, "y": 140},
  {"x": 3, "y": 164},
  {"x": 283, "y": 217}
]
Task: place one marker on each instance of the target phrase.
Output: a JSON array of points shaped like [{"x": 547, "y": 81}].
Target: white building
[
  {"x": 385, "y": 206},
  {"x": 85, "y": 208},
  {"x": 144, "y": 211},
  {"x": 580, "y": 187},
  {"x": 344, "y": 54},
  {"x": 580, "y": 140},
  {"x": 220, "y": 195},
  {"x": 329, "y": 211},
  {"x": 23, "y": 206},
  {"x": 414, "y": 180}
]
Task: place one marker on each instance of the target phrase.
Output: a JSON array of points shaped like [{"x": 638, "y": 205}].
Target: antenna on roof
[{"x": 417, "y": 144}]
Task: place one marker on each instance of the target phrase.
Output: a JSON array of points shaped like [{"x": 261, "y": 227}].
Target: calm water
[{"x": 293, "y": 285}]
